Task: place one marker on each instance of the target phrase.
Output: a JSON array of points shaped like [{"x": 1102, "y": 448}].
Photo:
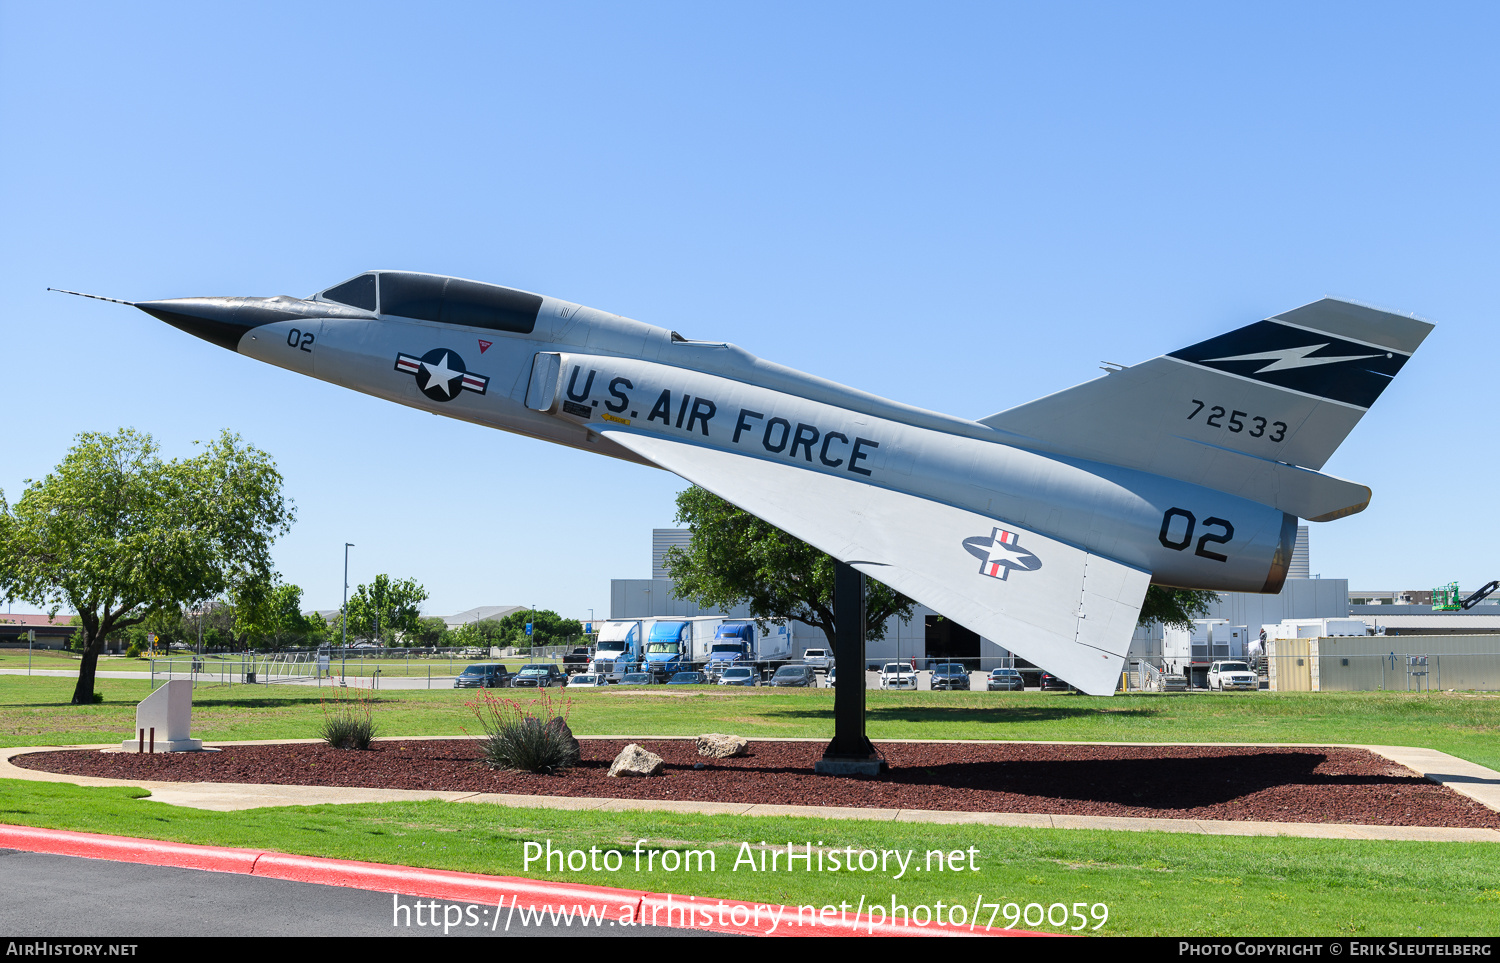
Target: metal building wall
[
  {"x": 1300, "y": 598},
  {"x": 663, "y": 539},
  {"x": 1462, "y": 662},
  {"x": 1301, "y": 566}
]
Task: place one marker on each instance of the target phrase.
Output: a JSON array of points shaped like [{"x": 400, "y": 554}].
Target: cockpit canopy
[
  {"x": 356, "y": 292},
  {"x": 432, "y": 297}
]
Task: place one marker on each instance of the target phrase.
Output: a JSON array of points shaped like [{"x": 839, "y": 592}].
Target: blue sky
[{"x": 962, "y": 206}]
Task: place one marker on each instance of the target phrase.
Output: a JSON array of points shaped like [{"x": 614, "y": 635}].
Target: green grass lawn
[
  {"x": 1152, "y": 883},
  {"x": 40, "y": 658}
]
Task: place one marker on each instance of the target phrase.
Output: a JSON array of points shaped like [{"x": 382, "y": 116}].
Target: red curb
[
  {"x": 536, "y": 897},
  {"x": 437, "y": 883},
  {"x": 124, "y": 849}
]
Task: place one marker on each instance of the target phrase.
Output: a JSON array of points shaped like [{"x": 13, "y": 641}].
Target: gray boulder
[
  {"x": 717, "y": 745},
  {"x": 635, "y": 761}
]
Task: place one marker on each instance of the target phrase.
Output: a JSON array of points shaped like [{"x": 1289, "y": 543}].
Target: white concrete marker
[{"x": 163, "y": 721}]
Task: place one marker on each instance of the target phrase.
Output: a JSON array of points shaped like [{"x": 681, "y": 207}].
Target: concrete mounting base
[
  {"x": 171, "y": 745},
  {"x": 849, "y": 767}
]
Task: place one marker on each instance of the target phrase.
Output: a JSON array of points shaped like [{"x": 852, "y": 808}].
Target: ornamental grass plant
[
  {"x": 525, "y": 737},
  {"x": 348, "y": 722}
]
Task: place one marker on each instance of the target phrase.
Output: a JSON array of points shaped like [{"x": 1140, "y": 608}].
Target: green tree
[
  {"x": 384, "y": 608},
  {"x": 168, "y": 626},
  {"x": 117, "y": 534},
  {"x": 1175, "y": 607},
  {"x": 547, "y": 628},
  {"x": 479, "y": 635},
  {"x": 430, "y": 631},
  {"x": 213, "y": 622},
  {"x": 271, "y": 618},
  {"x": 736, "y": 558}
]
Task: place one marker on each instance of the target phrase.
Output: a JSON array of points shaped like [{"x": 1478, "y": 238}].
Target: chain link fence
[{"x": 412, "y": 668}]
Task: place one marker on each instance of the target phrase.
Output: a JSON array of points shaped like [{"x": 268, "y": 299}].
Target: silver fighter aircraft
[{"x": 1039, "y": 527}]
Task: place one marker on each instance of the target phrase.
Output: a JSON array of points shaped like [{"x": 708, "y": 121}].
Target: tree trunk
[{"x": 83, "y": 692}]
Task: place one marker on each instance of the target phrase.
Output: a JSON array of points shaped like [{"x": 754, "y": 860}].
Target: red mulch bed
[{"x": 1181, "y": 782}]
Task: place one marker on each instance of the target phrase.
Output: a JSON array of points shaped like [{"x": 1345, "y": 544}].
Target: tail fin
[{"x": 1254, "y": 412}]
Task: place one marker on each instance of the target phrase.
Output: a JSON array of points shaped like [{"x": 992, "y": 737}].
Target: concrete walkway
[{"x": 1466, "y": 778}]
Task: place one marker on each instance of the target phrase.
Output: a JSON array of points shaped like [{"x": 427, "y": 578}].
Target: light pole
[{"x": 344, "y": 614}]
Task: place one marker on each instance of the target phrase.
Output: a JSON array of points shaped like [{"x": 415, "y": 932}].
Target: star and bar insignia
[
  {"x": 999, "y": 554},
  {"x": 441, "y": 374}
]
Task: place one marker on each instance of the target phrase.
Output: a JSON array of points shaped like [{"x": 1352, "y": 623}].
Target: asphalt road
[{"x": 66, "y": 896}]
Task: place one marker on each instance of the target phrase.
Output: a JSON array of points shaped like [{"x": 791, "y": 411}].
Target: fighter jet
[{"x": 1039, "y": 527}]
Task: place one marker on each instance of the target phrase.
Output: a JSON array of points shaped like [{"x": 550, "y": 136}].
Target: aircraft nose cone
[{"x": 212, "y": 319}]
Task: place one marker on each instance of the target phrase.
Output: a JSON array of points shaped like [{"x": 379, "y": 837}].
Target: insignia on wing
[{"x": 999, "y": 554}]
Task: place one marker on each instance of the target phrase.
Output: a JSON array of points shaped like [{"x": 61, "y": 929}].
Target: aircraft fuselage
[{"x": 578, "y": 371}]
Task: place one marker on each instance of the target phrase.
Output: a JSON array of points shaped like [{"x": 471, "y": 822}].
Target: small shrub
[
  {"x": 529, "y": 737},
  {"x": 348, "y": 731},
  {"x": 347, "y": 722}
]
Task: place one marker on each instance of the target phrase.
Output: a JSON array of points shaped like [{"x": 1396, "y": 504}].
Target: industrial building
[{"x": 51, "y": 632}]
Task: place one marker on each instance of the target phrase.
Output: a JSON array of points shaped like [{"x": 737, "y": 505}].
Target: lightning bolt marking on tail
[{"x": 1284, "y": 359}]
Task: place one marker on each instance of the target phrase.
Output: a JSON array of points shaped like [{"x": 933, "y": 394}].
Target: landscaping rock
[
  {"x": 717, "y": 745},
  {"x": 635, "y": 761},
  {"x": 560, "y": 726}
]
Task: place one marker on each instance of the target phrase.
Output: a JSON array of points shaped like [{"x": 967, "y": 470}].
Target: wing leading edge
[{"x": 1065, "y": 609}]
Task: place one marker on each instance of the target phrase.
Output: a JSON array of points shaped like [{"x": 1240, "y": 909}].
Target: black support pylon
[{"x": 851, "y": 750}]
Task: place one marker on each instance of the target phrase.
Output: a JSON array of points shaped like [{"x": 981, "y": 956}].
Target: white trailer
[
  {"x": 1315, "y": 628},
  {"x": 1190, "y": 652},
  {"x": 619, "y": 648},
  {"x": 705, "y": 627}
]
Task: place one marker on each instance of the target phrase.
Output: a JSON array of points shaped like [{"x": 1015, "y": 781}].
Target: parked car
[
  {"x": 949, "y": 676},
  {"x": 688, "y": 678},
  {"x": 803, "y": 676},
  {"x": 1232, "y": 675},
  {"x": 487, "y": 675},
  {"x": 636, "y": 678},
  {"x": 1052, "y": 682},
  {"x": 577, "y": 659},
  {"x": 539, "y": 675},
  {"x": 738, "y": 675},
  {"x": 817, "y": 658},
  {"x": 587, "y": 680},
  {"x": 1005, "y": 680},
  {"x": 830, "y": 678},
  {"x": 898, "y": 675}
]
